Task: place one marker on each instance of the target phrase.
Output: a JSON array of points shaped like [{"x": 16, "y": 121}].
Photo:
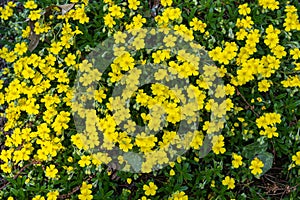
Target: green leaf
[
  {"x": 192, "y": 13},
  {"x": 267, "y": 159},
  {"x": 12, "y": 181},
  {"x": 108, "y": 194},
  {"x": 293, "y": 105},
  {"x": 253, "y": 149},
  {"x": 14, "y": 191}
]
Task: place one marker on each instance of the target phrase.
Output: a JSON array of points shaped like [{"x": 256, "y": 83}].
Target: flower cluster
[
  {"x": 7, "y": 11},
  {"x": 85, "y": 192},
  {"x": 191, "y": 93},
  {"x": 268, "y": 121}
]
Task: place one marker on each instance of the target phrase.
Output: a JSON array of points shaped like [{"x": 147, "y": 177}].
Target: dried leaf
[
  {"x": 34, "y": 38},
  {"x": 65, "y": 8},
  {"x": 48, "y": 10},
  {"x": 112, "y": 168},
  {"x": 34, "y": 41},
  {"x": 154, "y": 6}
]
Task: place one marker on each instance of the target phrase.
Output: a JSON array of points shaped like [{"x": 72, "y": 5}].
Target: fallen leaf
[
  {"x": 65, "y": 8},
  {"x": 34, "y": 38}
]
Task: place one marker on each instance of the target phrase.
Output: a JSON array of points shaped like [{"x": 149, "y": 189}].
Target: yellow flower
[
  {"x": 297, "y": 68},
  {"x": 86, "y": 186},
  {"x": 30, "y": 5},
  {"x": 296, "y": 158},
  {"x": 241, "y": 34},
  {"x": 138, "y": 21},
  {"x": 6, "y": 155},
  {"x": 26, "y": 32},
  {"x": 244, "y": 9},
  {"x": 145, "y": 142},
  {"x": 116, "y": 11},
  {"x": 229, "y": 182},
  {"x": 52, "y": 195},
  {"x": 55, "y": 48},
  {"x": 133, "y": 4},
  {"x": 295, "y": 53},
  {"x": 6, "y": 168},
  {"x": 34, "y": 15},
  {"x": 166, "y": 3},
  {"x": 120, "y": 37},
  {"x": 237, "y": 160},
  {"x": 109, "y": 20},
  {"x": 169, "y": 40},
  {"x": 86, "y": 193},
  {"x": 150, "y": 189},
  {"x": 178, "y": 195},
  {"x": 138, "y": 43},
  {"x": 263, "y": 86},
  {"x": 218, "y": 144},
  {"x": 51, "y": 171},
  {"x": 256, "y": 166},
  {"x": 20, "y": 48},
  {"x": 11, "y": 4},
  {"x": 70, "y": 59},
  {"x": 172, "y": 172},
  {"x": 80, "y": 15},
  {"x": 70, "y": 159},
  {"x": 198, "y": 25},
  {"x": 269, "y": 4},
  {"x": 229, "y": 89},
  {"x": 85, "y": 161},
  {"x": 213, "y": 183},
  {"x": 270, "y": 132},
  {"x": 215, "y": 54},
  {"x": 129, "y": 180},
  {"x": 6, "y": 12},
  {"x": 220, "y": 91},
  {"x": 245, "y": 23},
  {"x": 38, "y": 197},
  {"x": 268, "y": 119}
]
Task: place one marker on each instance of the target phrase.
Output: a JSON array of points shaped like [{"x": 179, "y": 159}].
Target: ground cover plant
[{"x": 160, "y": 99}]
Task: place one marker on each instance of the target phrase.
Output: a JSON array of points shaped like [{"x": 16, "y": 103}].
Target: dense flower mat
[{"x": 53, "y": 146}]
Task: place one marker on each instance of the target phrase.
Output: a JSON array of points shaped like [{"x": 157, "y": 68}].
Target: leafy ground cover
[{"x": 219, "y": 116}]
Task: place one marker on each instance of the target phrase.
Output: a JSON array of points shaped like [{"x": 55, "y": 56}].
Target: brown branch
[
  {"x": 64, "y": 196},
  {"x": 261, "y": 196},
  {"x": 74, "y": 190},
  {"x": 19, "y": 172},
  {"x": 244, "y": 99}
]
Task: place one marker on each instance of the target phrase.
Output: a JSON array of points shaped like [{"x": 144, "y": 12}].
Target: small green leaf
[
  {"x": 14, "y": 191},
  {"x": 293, "y": 105},
  {"x": 253, "y": 149},
  {"x": 267, "y": 159}
]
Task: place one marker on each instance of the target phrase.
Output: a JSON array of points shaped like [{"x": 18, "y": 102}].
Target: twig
[
  {"x": 75, "y": 189},
  {"x": 261, "y": 196},
  {"x": 269, "y": 179},
  {"x": 244, "y": 99},
  {"x": 187, "y": 10},
  {"x": 282, "y": 194},
  {"x": 64, "y": 196},
  {"x": 19, "y": 172},
  {"x": 277, "y": 194}
]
